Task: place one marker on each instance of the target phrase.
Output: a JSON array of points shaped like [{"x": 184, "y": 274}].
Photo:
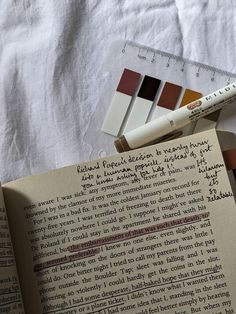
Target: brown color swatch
[
  {"x": 129, "y": 82},
  {"x": 169, "y": 96},
  {"x": 189, "y": 96},
  {"x": 149, "y": 88}
]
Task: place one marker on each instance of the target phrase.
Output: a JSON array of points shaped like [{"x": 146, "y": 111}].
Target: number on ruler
[
  {"x": 213, "y": 77},
  {"x": 168, "y": 63},
  {"x": 198, "y": 72},
  {"x": 123, "y": 50},
  {"x": 153, "y": 58}
]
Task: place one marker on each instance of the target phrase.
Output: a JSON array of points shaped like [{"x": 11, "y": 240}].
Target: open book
[{"x": 147, "y": 231}]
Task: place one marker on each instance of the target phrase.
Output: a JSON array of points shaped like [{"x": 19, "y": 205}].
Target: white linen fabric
[{"x": 52, "y": 54}]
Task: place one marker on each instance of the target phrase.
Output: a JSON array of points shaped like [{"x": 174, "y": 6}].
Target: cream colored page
[
  {"x": 10, "y": 294},
  {"x": 148, "y": 231}
]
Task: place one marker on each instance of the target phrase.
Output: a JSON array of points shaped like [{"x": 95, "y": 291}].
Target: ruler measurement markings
[{"x": 153, "y": 59}]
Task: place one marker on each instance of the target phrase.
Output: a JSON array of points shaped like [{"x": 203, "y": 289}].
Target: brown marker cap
[{"x": 122, "y": 145}]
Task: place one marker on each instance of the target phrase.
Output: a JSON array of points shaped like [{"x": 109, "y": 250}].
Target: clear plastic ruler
[{"x": 162, "y": 65}]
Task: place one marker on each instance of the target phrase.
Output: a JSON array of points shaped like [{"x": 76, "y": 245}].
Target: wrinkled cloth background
[{"x": 52, "y": 54}]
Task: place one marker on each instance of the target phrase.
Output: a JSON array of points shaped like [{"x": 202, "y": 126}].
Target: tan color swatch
[{"x": 189, "y": 96}]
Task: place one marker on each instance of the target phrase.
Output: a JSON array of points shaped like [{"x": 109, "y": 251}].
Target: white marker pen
[{"x": 154, "y": 130}]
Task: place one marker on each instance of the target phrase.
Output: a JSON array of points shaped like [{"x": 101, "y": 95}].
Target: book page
[
  {"x": 10, "y": 293},
  {"x": 147, "y": 231}
]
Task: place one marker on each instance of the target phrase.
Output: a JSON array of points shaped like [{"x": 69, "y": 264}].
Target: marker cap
[{"x": 122, "y": 145}]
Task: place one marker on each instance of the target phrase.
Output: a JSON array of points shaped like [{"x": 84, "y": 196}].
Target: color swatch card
[
  {"x": 143, "y": 103},
  {"x": 120, "y": 102},
  {"x": 168, "y": 99},
  {"x": 152, "y": 100},
  {"x": 141, "y": 84}
]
